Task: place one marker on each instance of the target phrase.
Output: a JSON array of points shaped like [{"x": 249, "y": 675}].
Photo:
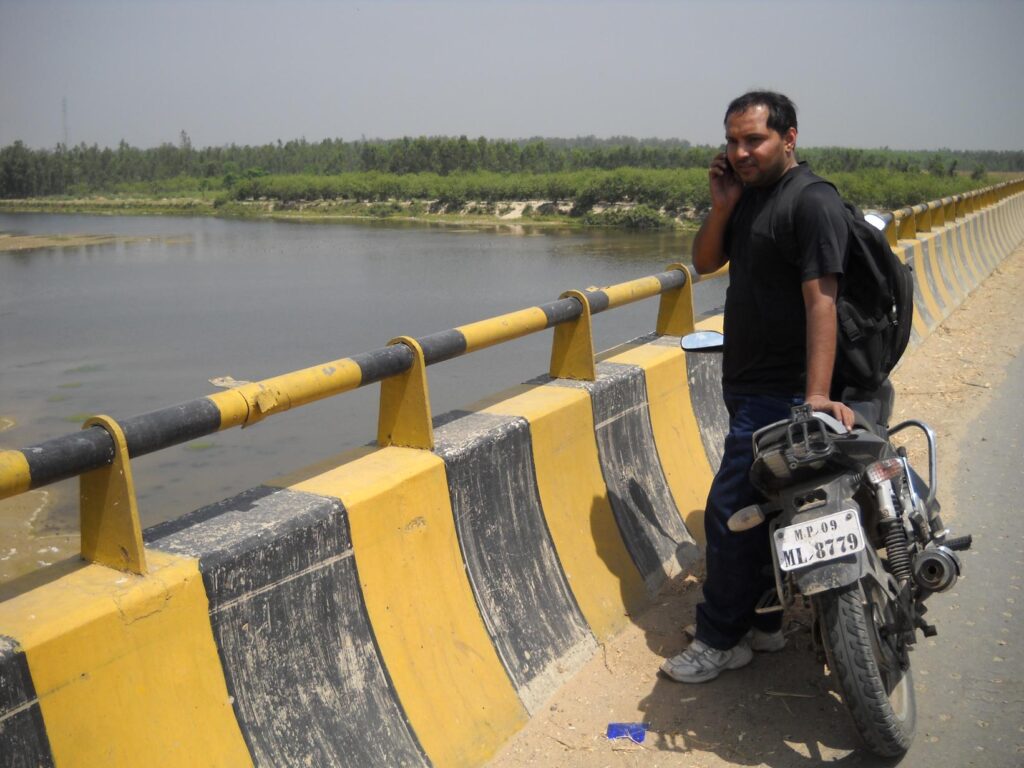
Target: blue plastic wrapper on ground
[{"x": 633, "y": 731}]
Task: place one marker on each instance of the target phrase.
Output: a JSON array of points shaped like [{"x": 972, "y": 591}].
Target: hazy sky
[{"x": 902, "y": 73}]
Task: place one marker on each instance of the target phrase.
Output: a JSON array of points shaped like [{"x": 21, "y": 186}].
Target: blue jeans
[{"x": 739, "y": 565}]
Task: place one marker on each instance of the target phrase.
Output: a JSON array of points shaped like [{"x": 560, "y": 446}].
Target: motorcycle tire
[{"x": 878, "y": 694}]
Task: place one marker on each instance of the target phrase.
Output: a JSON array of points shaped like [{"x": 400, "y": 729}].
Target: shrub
[{"x": 638, "y": 217}]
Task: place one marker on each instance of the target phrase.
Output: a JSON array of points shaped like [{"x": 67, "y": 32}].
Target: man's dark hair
[{"x": 781, "y": 111}]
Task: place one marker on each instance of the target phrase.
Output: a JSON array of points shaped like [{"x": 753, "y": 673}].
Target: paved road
[{"x": 971, "y": 677}]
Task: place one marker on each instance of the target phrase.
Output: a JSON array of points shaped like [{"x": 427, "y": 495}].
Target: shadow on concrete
[{"x": 41, "y": 577}]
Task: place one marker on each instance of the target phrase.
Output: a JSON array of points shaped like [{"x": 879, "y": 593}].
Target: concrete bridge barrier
[
  {"x": 411, "y": 602},
  {"x": 953, "y": 245}
]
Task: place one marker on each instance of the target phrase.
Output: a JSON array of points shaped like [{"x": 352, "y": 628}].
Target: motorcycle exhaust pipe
[{"x": 936, "y": 570}]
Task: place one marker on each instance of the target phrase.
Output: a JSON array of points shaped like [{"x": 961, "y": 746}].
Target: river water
[{"x": 140, "y": 324}]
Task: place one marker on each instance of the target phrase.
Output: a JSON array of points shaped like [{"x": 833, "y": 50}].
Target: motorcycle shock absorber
[
  {"x": 896, "y": 550},
  {"x": 881, "y": 475}
]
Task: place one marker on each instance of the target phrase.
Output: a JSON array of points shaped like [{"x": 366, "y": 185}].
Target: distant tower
[{"x": 64, "y": 119}]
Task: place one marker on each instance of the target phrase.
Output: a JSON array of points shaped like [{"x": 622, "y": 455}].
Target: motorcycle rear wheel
[{"x": 877, "y": 692}]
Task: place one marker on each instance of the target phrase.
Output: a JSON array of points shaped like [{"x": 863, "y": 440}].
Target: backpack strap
[{"x": 784, "y": 207}]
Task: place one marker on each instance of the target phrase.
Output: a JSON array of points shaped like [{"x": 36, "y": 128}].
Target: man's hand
[
  {"x": 726, "y": 187},
  {"x": 841, "y": 411}
]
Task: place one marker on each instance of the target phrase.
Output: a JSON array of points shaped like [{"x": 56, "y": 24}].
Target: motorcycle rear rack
[{"x": 807, "y": 440}]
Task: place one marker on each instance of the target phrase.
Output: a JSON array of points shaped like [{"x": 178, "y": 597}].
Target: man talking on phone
[{"x": 780, "y": 346}]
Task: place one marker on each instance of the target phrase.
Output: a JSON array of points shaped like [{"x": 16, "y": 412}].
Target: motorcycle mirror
[
  {"x": 702, "y": 341},
  {"x": 878, "y": 220}
]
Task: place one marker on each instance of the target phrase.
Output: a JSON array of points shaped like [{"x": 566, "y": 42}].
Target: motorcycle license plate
[{"x": 820, "y": 540}]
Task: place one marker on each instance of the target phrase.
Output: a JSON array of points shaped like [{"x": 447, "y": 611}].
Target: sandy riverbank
[
  {"x": 540, "y": 213},
  {"x": 32, "y": 242}
]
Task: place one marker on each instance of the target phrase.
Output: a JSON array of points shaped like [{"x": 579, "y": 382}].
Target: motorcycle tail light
[{"x": 883, "y": 470}]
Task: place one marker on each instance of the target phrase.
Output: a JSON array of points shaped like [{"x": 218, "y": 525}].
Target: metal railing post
[
  {"x": 949, "y": 210},
  {"x": 572, "y": 349},
  {"x": 108, "y": 512},
  {"x": 675, "y": 309},
  {"x": 404, "y": 418},
  {"x": 907, "y": 227},
  {"x": 923, "y": 217}
]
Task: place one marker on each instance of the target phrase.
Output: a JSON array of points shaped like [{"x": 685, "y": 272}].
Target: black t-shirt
[{"x": 765, "y": 322}]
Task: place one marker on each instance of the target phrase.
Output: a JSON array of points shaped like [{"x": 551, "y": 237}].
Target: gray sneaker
[
  {"x": 700, "y": 662},
  {"x": 768, "y": 642}
]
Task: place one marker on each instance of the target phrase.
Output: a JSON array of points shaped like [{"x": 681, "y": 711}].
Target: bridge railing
[
  {"x": 100, "y": 453},
  {"x": 907, "y": 222}
]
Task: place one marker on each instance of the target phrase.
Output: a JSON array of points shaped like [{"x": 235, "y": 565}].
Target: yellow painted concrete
[
  {"x": 935, "y": 267},
  {"x": 966, "y": 264},
  {"x": 444, "y": 667},
  {"x": 715, "y": 323},
  {"x": 971, "y": 226},
  {"x": 920, "y": 265},
  {"x": 917, "y": 323},
  {"x": 325, "y": 465},
  {"x": 126, "y": 668},
  {"x": 988, "y": 248},
  {"x": 956, "y": 273}
]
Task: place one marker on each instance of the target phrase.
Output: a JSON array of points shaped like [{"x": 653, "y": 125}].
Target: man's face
[{"x": 758, "y": 154}]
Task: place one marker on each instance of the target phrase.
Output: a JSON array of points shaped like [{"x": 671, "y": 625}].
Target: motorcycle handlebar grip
[{"x": 958, "y": 543}]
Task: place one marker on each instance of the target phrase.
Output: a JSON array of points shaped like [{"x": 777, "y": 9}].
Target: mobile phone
[{"x": 729, "y": 170}]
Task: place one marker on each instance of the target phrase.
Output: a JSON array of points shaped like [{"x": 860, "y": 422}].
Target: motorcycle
[{"x": 858, "y": 534}]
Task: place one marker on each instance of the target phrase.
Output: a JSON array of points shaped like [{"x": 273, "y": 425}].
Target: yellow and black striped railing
[
  {"x": 404, "y": 417},
  {"x": 74, "y": 454}
]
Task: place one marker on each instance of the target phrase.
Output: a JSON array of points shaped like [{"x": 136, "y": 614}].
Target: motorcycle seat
[
  {"x": 874, "y": 407},
  {"x": 866, "y": 416}
]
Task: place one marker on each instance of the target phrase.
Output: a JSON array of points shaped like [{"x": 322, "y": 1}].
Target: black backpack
[{"x": 875, "y": 307}]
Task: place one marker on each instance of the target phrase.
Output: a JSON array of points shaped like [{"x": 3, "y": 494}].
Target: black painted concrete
[
  {"x": 23, "y": 742},
  {"x": 517, "y": 580},
  {"x": 287, "y": 612},
  {"x": 704, "y": 371}
]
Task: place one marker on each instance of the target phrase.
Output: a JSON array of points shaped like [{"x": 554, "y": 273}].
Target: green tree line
[
  {"x": 84, "y": 169},
  {"x": 682, "y": 191}
]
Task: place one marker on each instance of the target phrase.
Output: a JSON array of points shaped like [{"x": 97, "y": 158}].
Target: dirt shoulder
[{"x": 782, "y": 710}]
